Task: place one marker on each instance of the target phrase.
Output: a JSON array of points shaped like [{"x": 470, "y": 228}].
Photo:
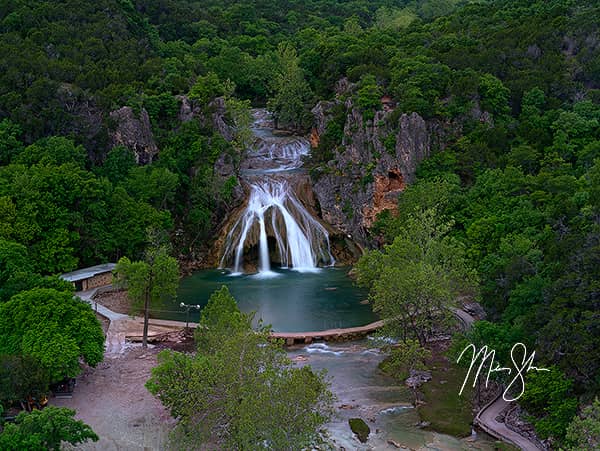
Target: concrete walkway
[
  {"x": 121, "y": 326},
  {"x": 349, "y": 333},
  {"x": 88, "y": 296},
  {"x": 486, "y": 420}
]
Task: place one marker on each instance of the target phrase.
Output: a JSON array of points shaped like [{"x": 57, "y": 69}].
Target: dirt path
[{"x": 112, "y": 399}]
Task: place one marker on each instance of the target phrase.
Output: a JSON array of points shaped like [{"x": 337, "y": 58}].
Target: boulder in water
[
  {"x": 360, "y": 428},
  {"x": 418, "y": 378}
]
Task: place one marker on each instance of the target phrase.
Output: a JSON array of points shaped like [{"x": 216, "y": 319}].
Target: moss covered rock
[{"x": 360, "y": 428}]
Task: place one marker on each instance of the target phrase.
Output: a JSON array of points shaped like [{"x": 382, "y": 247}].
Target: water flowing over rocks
[
  {"x": 273, "y": 210},
  {"x": 134, "y": 132},
  {"x": 276, "y": 154},
  {"x": 278, "y": 223}
]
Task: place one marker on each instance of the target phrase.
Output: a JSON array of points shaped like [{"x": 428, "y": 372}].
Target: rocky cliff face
[
  {"x": 133, "y": 132},
  {"x": 214, "y": 116},
  {"x": 375, "y": 161}
]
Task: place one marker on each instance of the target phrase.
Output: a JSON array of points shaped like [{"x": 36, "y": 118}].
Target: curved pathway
[
  {"x": 349, "y": 333},
  {"x": 486, "y": 418},
  {"x": 122, "y": 326}
]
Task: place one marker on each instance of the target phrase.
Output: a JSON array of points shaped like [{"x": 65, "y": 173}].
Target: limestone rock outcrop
[
  {"x": 376, "y": 160},
  {"x": 219, "y": 110},
  {"x": 187, "y": 110},
  {"x": 134, "y": 132}
]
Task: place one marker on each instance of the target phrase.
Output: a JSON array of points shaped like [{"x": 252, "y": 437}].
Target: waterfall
[
  {"x": 292, "y": 149},
  {"x": 275, "y": 224},
  {"x": 275, "y": 154},
  {"x": 264, "y": 260},
  {"x": 301, "y": 242}
]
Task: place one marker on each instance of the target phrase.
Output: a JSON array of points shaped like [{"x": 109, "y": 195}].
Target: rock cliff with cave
[{"x": 372, "y": 164}]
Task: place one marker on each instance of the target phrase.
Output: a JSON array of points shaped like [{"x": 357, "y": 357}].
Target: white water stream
[{"x": 274, "y": 211}]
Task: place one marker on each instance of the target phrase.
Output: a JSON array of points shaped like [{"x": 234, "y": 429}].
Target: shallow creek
[{"x": 363, "y": 391}]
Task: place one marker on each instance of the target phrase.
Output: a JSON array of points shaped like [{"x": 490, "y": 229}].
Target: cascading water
[
  {"x": 301, "y": 241},
  {"x": 274, "y": 213},
  {"x": 276, "y": 154}
]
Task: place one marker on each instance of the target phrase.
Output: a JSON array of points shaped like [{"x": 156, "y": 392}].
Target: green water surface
[{"x": 289, "y": 301}]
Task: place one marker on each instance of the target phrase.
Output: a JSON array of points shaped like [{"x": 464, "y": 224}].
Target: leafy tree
[
  {"x": 584, "y": 431},
  {"x": 153, "y": 185},
  {"x": 548, "y": 397},
  {"x": 239, "y": 391},
  {"x": 405, "y": 357},
  {"x": 416, "y": 279},
  {"x": 45, "y": 430},
  {"x": 53, "y": 327},
  {"x": 413, "y": 299},
  {"x": 221, "y": 317},
  {"x": 206, "y": 89},
  {"x": 436, "y": 193},
  {"x": 392, "y": 18},
  {"x": 291, "y": 91},
  {"x": 14, "y": 259},
  {"x": 55, "y": 150},
  {"x": 417, "y": 82},
  {"x": 241, "y": 119},
  {"x": 17, "y": 274},
  {"x": 125, "y": 225},
  {"x": 10, "y": 145},
  {"x": 150, "y": 281},
  {"x": 369, "y": 95},
  {"x": 498, "y": 336},
  {"x": 119, "y": 161},
  {"x": 50, "y": 203},
  {"x": 494, "y": 95},
  {"x": 21, "y": 377}
]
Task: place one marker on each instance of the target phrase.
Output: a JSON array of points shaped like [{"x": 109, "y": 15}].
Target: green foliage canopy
[
  {"x": 55, "y": 328},
  {"x": 150, "y": 281},
  {"x": 239, "y": 391},
  {"x": 45, "y": 430}
]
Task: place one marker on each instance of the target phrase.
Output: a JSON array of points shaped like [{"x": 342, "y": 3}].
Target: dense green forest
[{"x": 518, "y": 190}]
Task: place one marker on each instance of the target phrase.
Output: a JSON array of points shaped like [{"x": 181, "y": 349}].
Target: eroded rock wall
[
  {"x": 134, "y": 132},
  {"x": 377, "y": 158}
]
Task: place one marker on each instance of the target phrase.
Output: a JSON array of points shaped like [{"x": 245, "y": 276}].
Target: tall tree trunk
[{"x": 146, "y": 318}]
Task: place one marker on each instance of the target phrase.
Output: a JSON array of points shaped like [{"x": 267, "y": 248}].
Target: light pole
[{"x": 187, "y": 308}]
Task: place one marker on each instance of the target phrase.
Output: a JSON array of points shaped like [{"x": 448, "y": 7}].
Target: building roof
[{"x": 87, "y": 273}]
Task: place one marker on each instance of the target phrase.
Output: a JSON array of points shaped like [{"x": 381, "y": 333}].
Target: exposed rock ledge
[
  {"x": 373, "y": 165},
  {"x": 133, "y": 132}
]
